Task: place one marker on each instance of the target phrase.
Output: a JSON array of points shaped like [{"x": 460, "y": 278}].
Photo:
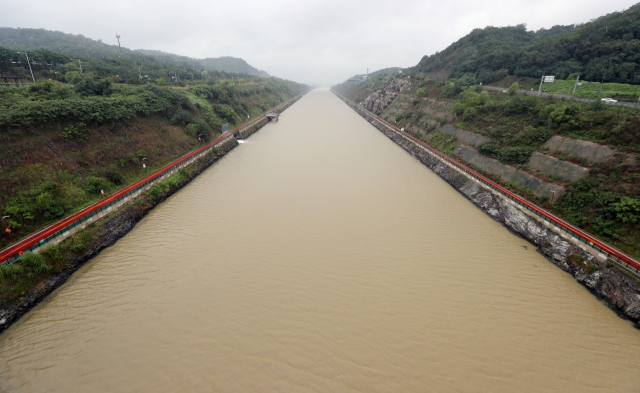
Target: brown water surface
[{"x": 320, "y": 257}]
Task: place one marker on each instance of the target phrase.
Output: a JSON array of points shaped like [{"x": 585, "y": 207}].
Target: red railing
[
  {"x": 616, "y": 255},
  {"x": 11, "y": 253}
]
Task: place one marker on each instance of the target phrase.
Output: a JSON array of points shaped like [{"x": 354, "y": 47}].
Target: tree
[{"x": 513, "y": 89}]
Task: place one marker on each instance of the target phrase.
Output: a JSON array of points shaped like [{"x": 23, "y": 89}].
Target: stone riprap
[
  {"x": 620, "y": 292},
  {"x": 537, "y": 186},
  {"x": 466, "y": 137},
  {"x": 575, "y": 147},
  {"x": 561, "y": 169}
]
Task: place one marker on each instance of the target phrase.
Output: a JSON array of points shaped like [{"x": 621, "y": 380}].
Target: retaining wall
[
  {"x": 553, "y": 166},
  {"x": 464, "y": 136},
  {"x": 579, "y": 148},
  {"x": 537, "y": 186}
]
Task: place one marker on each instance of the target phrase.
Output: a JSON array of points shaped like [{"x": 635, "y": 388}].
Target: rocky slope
[
  {"x": 620, "y": 292},
  {"x": 379, "y": 100}
]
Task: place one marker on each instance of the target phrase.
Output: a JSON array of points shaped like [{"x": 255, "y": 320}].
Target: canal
[{"x": 318, "y": 256}]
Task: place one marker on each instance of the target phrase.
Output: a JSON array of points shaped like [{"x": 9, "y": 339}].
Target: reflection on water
[{"x": 320, "y": 257}]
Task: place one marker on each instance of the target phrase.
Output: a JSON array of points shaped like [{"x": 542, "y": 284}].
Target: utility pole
[
  {"x": 34, "y": 79},
  {"x": 574, "y": 87},
  {"x": 79, "y": 62},
  {"x": 541, "y": 79},
  {"x": 118, "y": 37},
  {"x": 599, "y": 91}
]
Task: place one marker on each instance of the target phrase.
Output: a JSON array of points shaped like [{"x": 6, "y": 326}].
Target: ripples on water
[{"x": 320, "y": 257}]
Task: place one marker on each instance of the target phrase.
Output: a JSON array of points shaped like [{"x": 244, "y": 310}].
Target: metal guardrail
[
  {"x": 43, "y": 237},
  {"x": 622, "y": 259}
]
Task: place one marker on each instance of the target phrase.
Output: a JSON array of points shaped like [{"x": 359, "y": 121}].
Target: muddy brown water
[{"x": 320, "y": 257}]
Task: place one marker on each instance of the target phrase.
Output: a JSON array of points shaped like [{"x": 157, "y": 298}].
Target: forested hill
[
  {"x": 610, "y": 43},
  {"x": 225, "y": 63},
  {"x": 79, "y": 45}
]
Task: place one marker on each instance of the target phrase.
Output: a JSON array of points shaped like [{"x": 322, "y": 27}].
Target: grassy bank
[
  {"x": 30, "y": 276},
  {"x": 108, "y": 135}
]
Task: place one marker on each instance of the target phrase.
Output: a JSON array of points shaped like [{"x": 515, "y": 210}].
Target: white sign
[{"x": 548, "y": 78}]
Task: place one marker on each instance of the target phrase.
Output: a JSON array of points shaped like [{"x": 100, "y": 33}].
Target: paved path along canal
[{"x": 320, "y": 257}]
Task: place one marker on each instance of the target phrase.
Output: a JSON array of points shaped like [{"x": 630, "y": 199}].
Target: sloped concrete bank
[
  {"x": 111, "y": 229},
  {"x": 620, "y": 292}
]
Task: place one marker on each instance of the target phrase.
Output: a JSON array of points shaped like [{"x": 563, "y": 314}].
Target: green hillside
[
  {"x": 608, "y": 44},
  {"x": 225, "y": 63},
  {"x": 46, "y": 64},
  {"x": 79, "y": 45}
]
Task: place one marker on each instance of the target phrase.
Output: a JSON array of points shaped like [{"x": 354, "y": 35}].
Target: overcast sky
[{"x": 310, "y": 41}]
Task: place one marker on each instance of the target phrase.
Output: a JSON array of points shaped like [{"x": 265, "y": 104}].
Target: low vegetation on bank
[
  {"x": 110, "y": 135},
  {"x": 27, "y": 274}
]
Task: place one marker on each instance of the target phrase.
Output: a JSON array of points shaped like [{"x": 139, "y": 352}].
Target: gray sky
[{"x": 311, "y": 41}]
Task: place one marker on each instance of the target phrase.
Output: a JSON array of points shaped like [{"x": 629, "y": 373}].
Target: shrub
[
  {"x": 34, "y": 261},
  {"x": 489, "y": 149},
  {"x": 513, "y": 89},
  {"x": 421, "y": 92},
  {"x": 576, "y": 259},
  {"x": 115, "y": 177},
  {"x": 515, "y": 154},
  {"x": 77, "y": 242},
  {"x": 75, "y": 132},
  {"x": 155, "y": 191},
  {"x": 591, "y": 268},
  {"x": 181, "y": 117},
  {"x": 469, "y": 113},
  {"x": 227, "y": 113},
  {"x": 506, "y": 155},
  {"x": 191, "y": 130},
  {"x": 11, "y": 272},
  {"x": 96, "y": 184},
  {"x": 459, "y": 108}
]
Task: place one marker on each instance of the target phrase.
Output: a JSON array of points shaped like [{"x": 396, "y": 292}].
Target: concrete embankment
[
  {"x": 620, "y": 292},
  {"x": 115, "y": 226}
]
